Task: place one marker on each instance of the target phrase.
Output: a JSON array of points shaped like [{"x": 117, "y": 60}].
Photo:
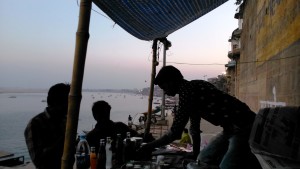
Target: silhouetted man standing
[{"x": 200, "y": 99}]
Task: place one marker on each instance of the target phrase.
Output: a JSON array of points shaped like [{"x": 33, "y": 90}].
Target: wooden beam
[{"x": 82, "y": 36}]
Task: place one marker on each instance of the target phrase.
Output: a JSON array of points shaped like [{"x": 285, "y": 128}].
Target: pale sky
[{"x": 37, "y": 43}]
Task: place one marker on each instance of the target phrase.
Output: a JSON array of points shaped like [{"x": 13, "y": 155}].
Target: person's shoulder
[
  {"x": 189, "y": 86},
  {"x": 202, "y": 83},
  {"x": 197, "y": 81},
  {"x": 36, "y": 122},
  {"x": 91, "y": 134},
  {"x": 94, "y": 130},
  {"x": 122, "y": 127},
  {"x": 193, "y": 83},
  {"x": 39, "y": 118},
  {"x": 118, "y": 123}
]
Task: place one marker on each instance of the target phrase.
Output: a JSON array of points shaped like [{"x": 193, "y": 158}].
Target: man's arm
[
  {"x": 195, "y": 133},
  {"x": 181, "y": 118}
]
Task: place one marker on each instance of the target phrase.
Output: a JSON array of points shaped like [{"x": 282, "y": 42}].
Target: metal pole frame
[
  {"x": 150, "y": 99},
  {"x": 167, "y": 44}
]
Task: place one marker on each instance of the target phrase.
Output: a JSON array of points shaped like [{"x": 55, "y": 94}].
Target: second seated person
[{"x": 105, "y": 127}]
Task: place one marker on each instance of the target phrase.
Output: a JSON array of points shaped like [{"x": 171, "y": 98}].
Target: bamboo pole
[
  {"x": 167, "y": 44},
  {"x": 82, "y": 36},
  {"x": 163, "y": 100},
  {"x": 150, "y": 100}
]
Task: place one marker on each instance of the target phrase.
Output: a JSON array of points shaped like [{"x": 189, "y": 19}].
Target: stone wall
[{"x": 269, "y": 65}]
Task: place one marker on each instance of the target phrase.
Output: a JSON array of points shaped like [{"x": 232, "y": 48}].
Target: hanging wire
[
  {"x": 195, "y": 64},
  {"x": 98, "y": 13},
  {"x": 222, "y": 64}
]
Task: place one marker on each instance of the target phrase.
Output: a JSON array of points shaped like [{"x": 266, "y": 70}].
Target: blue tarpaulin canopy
[{"x": 151, "y": 19}]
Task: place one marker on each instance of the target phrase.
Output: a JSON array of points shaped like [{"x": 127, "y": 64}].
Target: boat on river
[{"x": 9, "y": 159}]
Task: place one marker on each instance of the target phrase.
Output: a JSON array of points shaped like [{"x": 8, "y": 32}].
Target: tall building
[{"x": 264, "y": 66}]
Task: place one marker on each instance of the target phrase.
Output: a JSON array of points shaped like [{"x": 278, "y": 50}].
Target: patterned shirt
[
  {"x": 45, "y": 140},
  {"x": 200, "y": 99}
]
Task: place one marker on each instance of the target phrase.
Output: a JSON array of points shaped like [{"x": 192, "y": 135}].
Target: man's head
[
  {"x": 101, "y": 110},
  {"x": 58, "y": 97},
  {"x": 168, "y": 79}
]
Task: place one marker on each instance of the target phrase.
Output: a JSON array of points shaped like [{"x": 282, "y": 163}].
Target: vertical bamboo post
[
  {"x": 163, "y": 100},
  {"x": 167, "y": 44},
  {"x": 82, "y": 36},
  {"x": 150, "y": 100}
]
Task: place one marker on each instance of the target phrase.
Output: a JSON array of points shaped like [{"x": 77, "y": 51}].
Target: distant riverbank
[
  {"x": 24, "y": 90},
  {"x": 21, "y": 90}
]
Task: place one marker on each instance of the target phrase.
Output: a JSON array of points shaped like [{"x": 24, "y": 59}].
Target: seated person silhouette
[{"x": 106, "y": 127}]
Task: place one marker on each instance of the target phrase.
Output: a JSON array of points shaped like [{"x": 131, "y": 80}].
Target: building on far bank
[{"x": 264, "y": 66}]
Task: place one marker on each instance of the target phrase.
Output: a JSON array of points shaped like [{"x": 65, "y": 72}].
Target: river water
[{"x": 16, "y": 109}]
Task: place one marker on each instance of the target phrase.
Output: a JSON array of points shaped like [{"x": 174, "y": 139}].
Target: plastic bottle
[
  {"x": 108, "y": 149},
  {"x": 101, "y": 157},
  {"x": 82, "y": 153},
  {"x": 93, "y": 158},
  {"x": 119, "y": 150}
]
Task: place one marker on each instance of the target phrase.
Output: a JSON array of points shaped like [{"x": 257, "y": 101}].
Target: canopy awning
[{"x": 151, "y": 19}]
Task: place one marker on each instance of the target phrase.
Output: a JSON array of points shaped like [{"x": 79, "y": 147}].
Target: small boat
[{"x": 9, "y": 159}]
